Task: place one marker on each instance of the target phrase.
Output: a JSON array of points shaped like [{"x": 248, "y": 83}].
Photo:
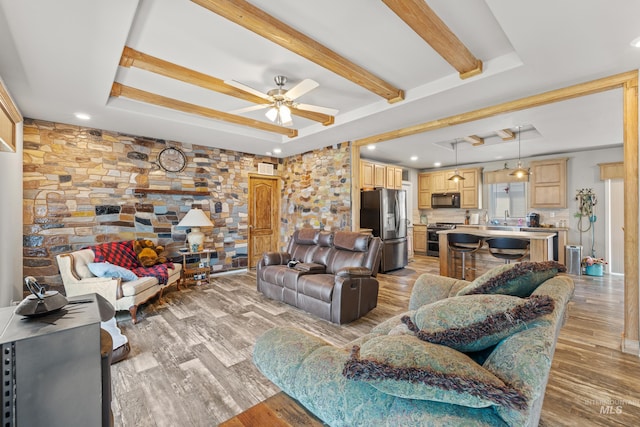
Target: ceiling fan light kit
[{"x": 280, "y": 101}]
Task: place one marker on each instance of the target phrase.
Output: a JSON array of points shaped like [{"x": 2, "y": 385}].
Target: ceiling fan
[{"x": 281, "y": 101}]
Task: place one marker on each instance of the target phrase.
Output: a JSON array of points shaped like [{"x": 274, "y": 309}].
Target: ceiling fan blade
[
  {"x": 317, "y": 109},
  {"x": 250, "y": 108},
  {"x": 246, "y": 88},
  {"x": 301, "y": 88}
]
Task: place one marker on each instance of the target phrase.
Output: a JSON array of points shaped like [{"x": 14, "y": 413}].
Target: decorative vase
[{"x": 594, "y": 270}]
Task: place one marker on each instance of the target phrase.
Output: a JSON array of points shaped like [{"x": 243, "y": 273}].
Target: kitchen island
[{"x": 540, "y": 244}]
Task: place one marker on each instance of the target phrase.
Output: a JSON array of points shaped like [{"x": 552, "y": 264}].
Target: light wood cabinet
[
  {"x": 379, "y": 175},
  {"x": 449, "y": 184},
  {"x": 375, "y": 175},
  {"x": 394, "y": 177},
  {"x": 424, "y": 190},
  {"x": 398, "y": 174},
  {"x": 420, "y": 239},
  {"x": 470, "y": 188},
  {"x": 438, "y": 182},
  {"x": 366, "y": 175},
  {"x": 548, "y": 183}
]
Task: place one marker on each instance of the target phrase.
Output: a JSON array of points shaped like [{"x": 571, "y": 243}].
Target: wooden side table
[{"x": 196, "y": 272}]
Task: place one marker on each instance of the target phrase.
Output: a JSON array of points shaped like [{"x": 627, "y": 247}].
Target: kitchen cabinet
[
  {"x": 548, "y": 183},
  {"x": 560, "y": 240},
  {"x": 470, "y": 188},
  {"x": 424, "y": 190},
  {"x": 374, "y": 175},
  {"x": 394, "y": 177},
  {"x": 420, "y": 239},
  {"x": 438, "y": 182},
  {"x": 379, "y": 176},
  {"x": 367, "y": 179}
]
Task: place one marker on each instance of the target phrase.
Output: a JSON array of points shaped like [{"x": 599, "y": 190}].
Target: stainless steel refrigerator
[{"x": 385, "y": 212}]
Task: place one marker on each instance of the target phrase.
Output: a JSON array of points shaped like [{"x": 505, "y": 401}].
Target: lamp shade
[{"x": 195, "y": 219}]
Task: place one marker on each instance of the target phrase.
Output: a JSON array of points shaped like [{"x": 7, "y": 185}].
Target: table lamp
[{"x": 194, "y": 219}]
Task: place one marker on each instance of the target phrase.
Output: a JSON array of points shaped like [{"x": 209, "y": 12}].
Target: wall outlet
[{"x": 552, "y": 214}]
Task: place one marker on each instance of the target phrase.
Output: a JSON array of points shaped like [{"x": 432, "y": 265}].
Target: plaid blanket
[{"x": 123, "y": 255}]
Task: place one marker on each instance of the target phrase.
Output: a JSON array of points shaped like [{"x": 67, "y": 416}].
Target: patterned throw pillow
[
  {"x": 475, "y": 322},
  {"x": 406, "y": 367},
  {"x": 104, "y": 269},
  {"x": 519, "y": 279}
]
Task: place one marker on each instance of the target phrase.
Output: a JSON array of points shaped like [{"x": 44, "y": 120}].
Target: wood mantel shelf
[{"x": 143, "y": 191}]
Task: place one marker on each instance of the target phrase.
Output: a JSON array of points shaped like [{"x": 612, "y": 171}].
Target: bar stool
[
  {"x": 464, "y": 244},
  {"x": 508, "y": 248}
]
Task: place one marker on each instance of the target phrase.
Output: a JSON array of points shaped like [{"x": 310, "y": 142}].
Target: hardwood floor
[{"x": 190, "y": 361}]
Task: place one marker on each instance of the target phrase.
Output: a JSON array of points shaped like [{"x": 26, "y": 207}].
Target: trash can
[{"x": 572, "y": 259}]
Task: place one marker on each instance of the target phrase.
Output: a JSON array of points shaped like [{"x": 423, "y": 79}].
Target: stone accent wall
[
  {"x": 79, "y": 190},
  {"x": 317, "y": 190}
]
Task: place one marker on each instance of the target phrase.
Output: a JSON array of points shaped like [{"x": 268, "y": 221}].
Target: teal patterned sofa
[{"x": 393, "y": 377}]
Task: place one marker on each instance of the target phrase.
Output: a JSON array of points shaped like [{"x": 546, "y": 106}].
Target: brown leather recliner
[{"x": 335, "y": 276}]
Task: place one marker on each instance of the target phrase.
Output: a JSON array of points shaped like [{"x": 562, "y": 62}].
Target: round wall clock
[{"x": 172, "y": 159}]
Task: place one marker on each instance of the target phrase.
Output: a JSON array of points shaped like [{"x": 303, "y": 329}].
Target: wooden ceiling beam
[
  {"x": 423, "y": 20},
  {"x": 474, "y": 140},
  {"x": 133, "y": 58},
  {"x": 563, "y": 94},
  {"x": 506, "y": 134},
  {"x": 118, "y": 90},
  {"x": 254, "y": 19}
]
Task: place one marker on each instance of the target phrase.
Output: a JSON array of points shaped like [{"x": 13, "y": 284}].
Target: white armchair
[{"x": 78, "y": 280}]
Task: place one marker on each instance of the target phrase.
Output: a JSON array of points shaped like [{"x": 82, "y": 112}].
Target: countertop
[
  {"x": 531, "y": 235},
  {"x": 522, "y": 228}
]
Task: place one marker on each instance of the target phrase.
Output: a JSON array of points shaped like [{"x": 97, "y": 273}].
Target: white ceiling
[{"x": 61, "y": 57}]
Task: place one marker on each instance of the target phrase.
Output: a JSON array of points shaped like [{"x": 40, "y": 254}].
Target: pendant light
[
  {"x": 519, "y": 172},
  {"x": 456, "y": 176}
]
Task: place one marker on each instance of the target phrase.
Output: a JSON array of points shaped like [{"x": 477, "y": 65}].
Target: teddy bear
[{"x": 148, "y": 253}]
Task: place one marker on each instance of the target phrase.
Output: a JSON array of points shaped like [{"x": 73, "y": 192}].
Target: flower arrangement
[{"x": 587, "y": 261}]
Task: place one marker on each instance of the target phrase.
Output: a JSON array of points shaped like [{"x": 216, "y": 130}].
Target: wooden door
[{"x": 264, "y": 217}]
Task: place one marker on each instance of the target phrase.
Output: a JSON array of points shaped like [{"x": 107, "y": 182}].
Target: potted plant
[{"x": 593, "y": 266}]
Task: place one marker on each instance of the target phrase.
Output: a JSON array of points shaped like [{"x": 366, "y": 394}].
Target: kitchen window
[{"x": 507, "y": 200}]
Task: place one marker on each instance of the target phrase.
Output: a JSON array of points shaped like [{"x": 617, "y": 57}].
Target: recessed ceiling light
[
  {"x": 371, "y": 147},
  {"x": 414, "y": 158},
  {"x": 82, "y": 116},
  {"x": 269, "y": 153},
  {"x": 277, "y": 150},
  {"x": 635, "y": 42},
  {"x": 437, "y": 164}
]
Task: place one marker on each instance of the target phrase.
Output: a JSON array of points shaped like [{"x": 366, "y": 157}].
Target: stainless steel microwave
[{"x": 445, "y": 200}]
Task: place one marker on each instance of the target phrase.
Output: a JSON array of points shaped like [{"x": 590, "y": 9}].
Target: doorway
[{"x": 264, "y": 216}]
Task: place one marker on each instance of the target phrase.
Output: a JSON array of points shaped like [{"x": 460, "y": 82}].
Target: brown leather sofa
[{"x": 335, "y": 276}]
